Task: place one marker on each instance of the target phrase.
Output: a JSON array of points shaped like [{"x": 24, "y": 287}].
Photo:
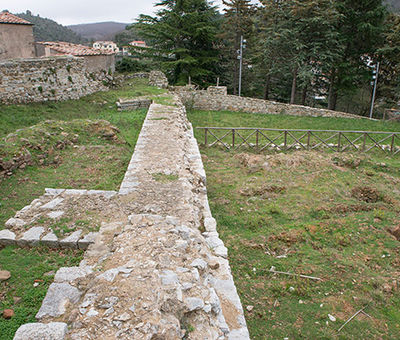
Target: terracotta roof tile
[
  {"x": 8, "y": 18},
  {"x": 73, "y": 49}
]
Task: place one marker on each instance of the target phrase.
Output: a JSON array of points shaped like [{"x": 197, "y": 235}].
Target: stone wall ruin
[{"x": 47, "y": 79}]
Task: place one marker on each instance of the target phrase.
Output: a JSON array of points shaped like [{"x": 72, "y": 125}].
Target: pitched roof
[
  {"x": 73, "y": 49},
  {"x": 8, "y": 18}
]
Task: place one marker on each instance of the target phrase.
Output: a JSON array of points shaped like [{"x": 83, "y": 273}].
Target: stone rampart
[
  {"x": 157, "y": 269},
  {"x": 158, "y": 79},
  {"x": 44, "y": 79},
  {"x": 215, "y": 99}
]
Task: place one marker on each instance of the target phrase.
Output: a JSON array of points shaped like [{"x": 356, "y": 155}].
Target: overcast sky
[{"x": 72, "y": 12}]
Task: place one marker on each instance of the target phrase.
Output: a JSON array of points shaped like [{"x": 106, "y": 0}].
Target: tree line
[{"x": 310, "y": 52}]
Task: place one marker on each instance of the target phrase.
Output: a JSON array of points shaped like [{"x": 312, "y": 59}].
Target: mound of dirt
[
  {"x": 348, "y": 161},
  {"x": 37, "y": 144},
  {"x": 262, "y": 190},
  {"x": 366, "y": 194},
  {"x": 290, "y": 160}
]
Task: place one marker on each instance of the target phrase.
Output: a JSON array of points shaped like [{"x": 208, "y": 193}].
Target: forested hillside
[
  {"x": 98, "y": 30},
  {"x": 48, "y": 30}
]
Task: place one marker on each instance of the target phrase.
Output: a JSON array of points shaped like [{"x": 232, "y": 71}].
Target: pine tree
[
  {"x": 360, "y": 30},
  {"x": 182, "y": 37},
  {"x": 237, "y": 23}
]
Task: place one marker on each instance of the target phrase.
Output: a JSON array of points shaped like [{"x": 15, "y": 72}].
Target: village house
[
  {"x": 16, "y": 37},
  {"x": 138, "y": 43},
  {"x": 109, "y": 46},
  {"x": 96, "y": 59}
]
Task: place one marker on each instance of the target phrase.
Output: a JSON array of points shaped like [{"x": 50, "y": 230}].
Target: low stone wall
[
  {"x": 134, "y": 104},
  {"x": 158, "y": 79},
  {"x": 157, "y": 269},
  {"x": 215, "y": 100},
  {"x": 44, "y": 79}
]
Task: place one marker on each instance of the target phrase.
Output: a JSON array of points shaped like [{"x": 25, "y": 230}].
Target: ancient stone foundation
[
  {"x": 216, "y": 99},
  {"x": 158, "y": 79},
  {"x": 44, "y": 79},
  {"x": 157, "y": 268}
]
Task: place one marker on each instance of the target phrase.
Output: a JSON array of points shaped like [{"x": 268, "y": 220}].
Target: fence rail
[{"x": 262, "y": 139}]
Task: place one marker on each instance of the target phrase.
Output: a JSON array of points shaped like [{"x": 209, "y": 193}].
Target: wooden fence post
[
  {"x": 285, "y": 140},
  {"x": 233, "y": 138},
  {"x": 205, "y": 137},
  {"x": 257, "y": 139},
  {"x": 339, "y": 141}
]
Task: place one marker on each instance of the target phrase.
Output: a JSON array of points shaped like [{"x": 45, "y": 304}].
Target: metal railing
[{"x": 262, "y": 139}]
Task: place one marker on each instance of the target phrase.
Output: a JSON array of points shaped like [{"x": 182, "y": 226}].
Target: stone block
[
  {"x": 55, "y": 214},
  {"x": 71, "y": 241},
  {"x": 52, "y": 204},
  {"x": 53, "y": 192},
  {"x": 87, "y": 240},
  {"x": 56, "y": 300},
  {"x": 50, "y": 240},
  {"x": 210, "y": 224},
  {"x": 15, "y": 222},
  {"x": 36, "y": 331},
  {"x": 31, "y": 237},
  {"x": 7, "y": 237},
  {"x": 69, "y": 274}
]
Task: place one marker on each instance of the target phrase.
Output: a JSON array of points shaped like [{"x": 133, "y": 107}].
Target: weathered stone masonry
[
  {"x": 157, "y": 269},
  {"x": 44, "y": 79},
  {"x": 216, "y": 99}
]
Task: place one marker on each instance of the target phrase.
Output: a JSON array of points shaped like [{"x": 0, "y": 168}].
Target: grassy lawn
[
  {"x": 27, "y": 267},
  {"x": 91, "y": 161},
  {"x": 321, "y": 214}
]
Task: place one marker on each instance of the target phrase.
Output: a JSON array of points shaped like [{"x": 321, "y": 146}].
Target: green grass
[
  {"x": 163, "y": 178},
  {"x": 100, "y": 105},
  {"x": 301, "y": 213},
  {"x": 26, "y": 266},
  {"x": 240, "y": 119}
]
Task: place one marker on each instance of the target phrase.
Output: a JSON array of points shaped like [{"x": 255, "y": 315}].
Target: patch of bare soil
[
  {"x": 366, "y": 194},
  {"x": 349, "y": 208},
  {"x": 262, "y": 190},
  {"x": 310, "y": 159},
  {"x": 289, "y": 237},
  {"x": 347, "y": 160}
]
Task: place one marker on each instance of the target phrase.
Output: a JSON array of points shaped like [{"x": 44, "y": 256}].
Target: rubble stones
[
  {"x": 194, "y": 304},
  {"x": 35, "y": 331}
]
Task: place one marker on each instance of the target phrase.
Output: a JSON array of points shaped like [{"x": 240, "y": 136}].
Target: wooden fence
[{"x": 287, "y": 139}]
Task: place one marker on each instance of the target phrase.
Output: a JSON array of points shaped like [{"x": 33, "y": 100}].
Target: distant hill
[
  {"x": 99, "y": 30},
  {"x": 48, "y": 30},
  {"x": 394, "y": 5}
]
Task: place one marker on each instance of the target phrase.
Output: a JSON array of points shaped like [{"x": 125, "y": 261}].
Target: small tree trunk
[
  {"x": 266, "y": 88},
  {"x": 332, "y": 96},
  {"x": 294, "y": 84},
  {"x": 304, "y": 95}
]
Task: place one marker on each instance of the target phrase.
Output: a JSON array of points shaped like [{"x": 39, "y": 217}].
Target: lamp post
[
  {"x": 240, "y": 57},
  {"x": 375, "y": 79}
]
